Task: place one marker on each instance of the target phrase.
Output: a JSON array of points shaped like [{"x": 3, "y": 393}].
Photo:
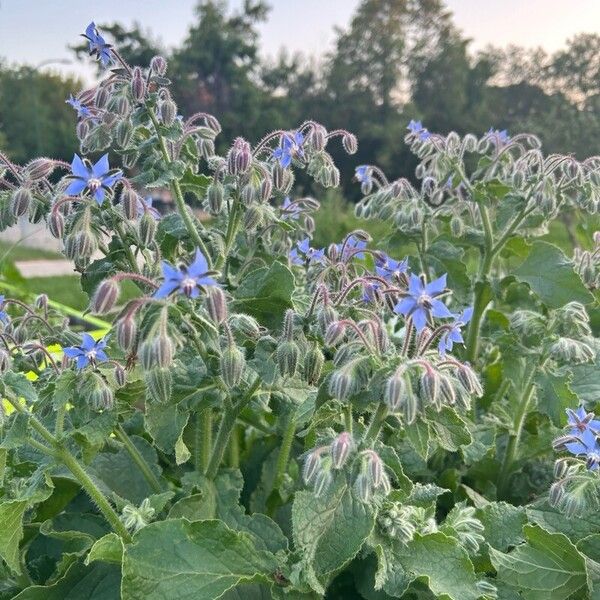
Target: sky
[{"x": 35, "y": 31}]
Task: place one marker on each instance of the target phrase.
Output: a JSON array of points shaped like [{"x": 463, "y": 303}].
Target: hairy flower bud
[
  {"x": 350, "y": 143},
  {"x": 313, "y": 364},
  {"x": 570, "y": 351},
  {"x": 146, "y": 229},
  {"x": 122, "y": 106},
  {"x": 311, "y": 465},
  {"x": 457, "y": 226},
  {"x": 168, "y": 111},
  {"x": 248, "y": 195},
  {"x": 98, "y": 393},
  {"x": 105, "y": 297},
  {"x": 20, "y": 201},
  {"x": 157, "y": 352},
  {"x": 317, "y": 138},
  {"x": 39, "y": 168},
  {"x": 288, "y": 355},
  {"x": 326, "y": 315},
  {"x": 363, "y": 488},
  {"x": 429, "y": 389},
  {"x": 216, "y": 304},
  {"x": 395, "y": 391},
  {"x": 278, "y": 177},
  {"x": 81, "y": 245},
  {"x": 158, "y": 64},
  {"x": 5, "y": 361},
  {"x": 102, "y": 97},
  {"x": 123, "y": 133},
  {"x": 82, "y": 129},
  {"x": 245, "y": 325},
  {"x": 206, "y": 148},
  {"x": 56, "y": 224},
  {"x": 120, "y": 375},
  {"x": 340, "y": 449},
  {"x": 232, "y": 366},
  {"x": 323, "y": 480},
  {"x": 126, "y": 333},
  {"x": 138, "y": 85},
  {"x": 343, "y": 383},
  {"x": 335, "y": 333},
  {"x": 129, "y": 203},
  {"x": 266, "y": 189},
  {"x": 215, "y": 194},
  {"x": 469, "y": 380},
  {"x": 158, "y": 385},
  {"x": 239, "y": 157}
]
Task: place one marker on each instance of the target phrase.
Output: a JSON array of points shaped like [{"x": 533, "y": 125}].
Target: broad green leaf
[
  {"x": 165, "y": 423},
  {"x": 176, "y": 559},
  {"x": 194, "y": 184},
  {"x": 107, "y": 549},
  {"x": 392, "y": 461},
  {"x": 17, "y": 432},
  {"x": 99, "y": 581},
  {"x": 330, "y": 530},
  {"x": 11, "y": 531},
  {"x": 503, "y": 524},
  {"x": 546, "y": 567},
  {"x": 552, "y": 520},
  {"x": 418, "y": 434},
  {"x": 550, "y": 275},
  {"x": 266, "y": 294},
  {"x": 443, "y": 563},
  {"x": 445, "y": 257},
  {"x": 554, "y": 396},
  {"x": 585, "y": 381},
  {"x": 196, "y": 507},
  {"x": 449, "y": 428},
  {"x": 20, "y": 386}
]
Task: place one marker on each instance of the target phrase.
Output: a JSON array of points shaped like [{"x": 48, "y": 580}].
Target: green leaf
[
  {"x": 586, "y": 381},
  {"x": 266, "y": 294},
  {"x": 99, "y": 581},
  {"x": 107, "y": 549},
  {"x": 194, "y": 508},
  {"x": 445, "y": 257},
  {"x": 551, "y": 276},
  {"x": 18, "y": 432},
  {"x": 20, "y": 386},
  {"x": 195, "y": 184},
  {"x": 443, "y": 563},
  {"x": 554, "y": 521},
  {"x": 449, "y": 428},
  {"x": 418, "y": 436},
  {"x": 503, "y": 524},
  {"x": 546, "y": 567},
  {"x": 165, "y": 423},
  {"x": 555, "y": 396},
  {"x": 202, "y": 560},
  {"x": 330, "y": 530},
  {"x": 11, "y": 532}
]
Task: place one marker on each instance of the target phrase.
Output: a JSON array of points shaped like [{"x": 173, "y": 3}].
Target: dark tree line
[{"x": 397, "y": 60}]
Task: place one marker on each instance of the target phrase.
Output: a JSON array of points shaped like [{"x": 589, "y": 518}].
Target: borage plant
[{"x": 269, "y": 419}]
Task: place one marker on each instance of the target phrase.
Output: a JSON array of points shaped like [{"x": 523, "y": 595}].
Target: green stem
[
  {"x": 234, "y": 448},
  {"x": 130, "y": 257},
  {"x": 93, "y": 492},
  {"x": 225, "y": 428},
  {"x": 348, "y": 420},
  {"x": 515, "y": 435},
  {"x": 60, "y": 420},
  {"x": 375, "y": 425},
  {"x": 63, "y": 455},
  {"x": 232, "y": 229},
  {"x": 203, "y": 439},
  {"x": 178, "y": 194},
  {"x": 284, "y": 450},
  {"x": 138, "y": 459}
]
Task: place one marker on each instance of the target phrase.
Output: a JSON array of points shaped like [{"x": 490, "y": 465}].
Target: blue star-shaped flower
[
  {"x": 89, "y": 352},
  {"x": 291, "y": 145},
  {"x": 290, "y": 209},
  {"x": 82, "y": 110},
  {"x": 390, "y": 269},
  {"x": 454, "y": 335},
  {"x": 188, "y": 280},
  {"x": 363, "y": 174},
  {"x": 98, "y": 45},
  {"x": 352, "y": 244},
  {"x": 501, "y": 137},
  {"x": 141, "y": 209},
  {"x": 303, "y": 253},
  {"x": 583, "y": 426},
  {"x": 370, "y": 291},
  {"x": 96, "y": 178},
  {"x": 421, "y": 303},
  {"x": 416, "y": 128}
]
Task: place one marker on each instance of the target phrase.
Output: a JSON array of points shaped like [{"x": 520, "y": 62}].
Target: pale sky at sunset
[{"x": 33, "y": 31}]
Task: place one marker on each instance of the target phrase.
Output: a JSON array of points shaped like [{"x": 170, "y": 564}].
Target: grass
[{"x": 17, "y": 251}]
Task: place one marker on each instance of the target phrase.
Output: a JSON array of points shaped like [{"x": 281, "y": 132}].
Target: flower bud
[
  {"x": 363, "y": 488},
  {"x": 80, "y": 245},
  {"x": 239, "y": 157},
  {"x": 129, "y": 203},
  {"x": 447, "y": 393},
  {"x": 157, "y": 352},
  {"x": 105, "y": 297},
  {"x": 100, "y": 396},
  {"x": 248, "y": 195},
  {"x": 317, "y": 138},
  {"x": 288, "y": 355},
  {"x": 326, "y": 315},
  {"x": 122, "y": 106},
  {"x": 5, "y": 360},
  {"x": 56, "y": 224},
  {"x": 375, "y": 468},
  {"x": 41, "y": 302},
  {"x": 158, "y": 385},
  {"x": 82, "y": 129},
  {"x": 311, "y": 466},
  {"x": 266, "y": 189},
  {"x": 130, "y": 158},
  {"x": 343, "y": 383},
  {"x": 457, "y": 226},
  {"x": 395, "y": 390},
  {"x": 39, "y": 168},
  {"x": 323, "y": 480},
  {"x": 313, "y": 364},
  {"x": 206, "y": 148},
  {"x": 340, "y": 449},
  {"x": 350, "y": 143},
  {"x": 168, "y": 111},
  {"x": 216, "y": 305},
  {"x": 159, "y": 65},
  {"x": 232, "y": 365},
  {"x": 469, "y": 380},
  {"x": 126, "y": 333},
  {"x": 20, "y": 201},
  {"x": 335, "y": 333},
  {"x": 214, "y": 196},
  {"x": 102, "y": 97},
  {"x": 138, "y": 85},
  {"x": 430, "y": 387},
  {"x": 120, "y": 375},
  {"x": 123, "y": 133},
  {"x": 146, "y": 229},
  {"x": 245, "y": 325},
  {"x": 278, "y": 177},
  {"x": 213, "y": 123},
  {"x": 253, "y": 218}
]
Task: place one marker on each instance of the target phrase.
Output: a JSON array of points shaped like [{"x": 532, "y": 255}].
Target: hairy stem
[
  {"x": 375, "y": 425},
  {"x": 284, "y": 450},
  {"x": 138, "y": 459}
]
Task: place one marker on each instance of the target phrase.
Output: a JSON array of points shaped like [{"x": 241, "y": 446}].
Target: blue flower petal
[
  {"x": 79, "y": 169},
  {"x": 76, "y": 187}
]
